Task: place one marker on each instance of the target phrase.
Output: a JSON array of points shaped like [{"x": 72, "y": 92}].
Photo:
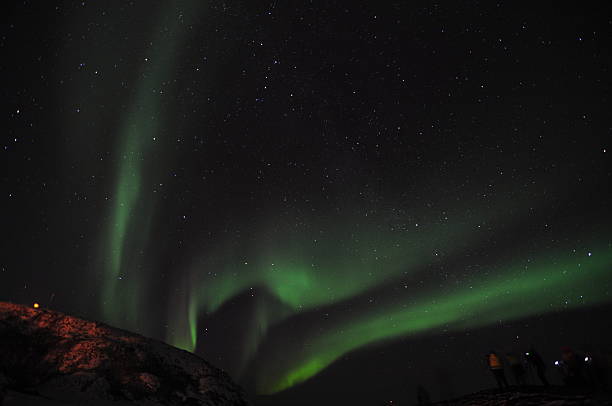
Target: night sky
[{"x": 331, "y": 200}]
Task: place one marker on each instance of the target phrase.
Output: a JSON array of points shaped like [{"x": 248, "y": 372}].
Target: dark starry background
[{"x": 298, "y": 119}]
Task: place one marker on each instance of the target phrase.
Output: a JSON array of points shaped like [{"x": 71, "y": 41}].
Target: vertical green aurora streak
[{"x": 126, "y": 237}]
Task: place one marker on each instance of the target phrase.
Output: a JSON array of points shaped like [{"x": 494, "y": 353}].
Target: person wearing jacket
[{"x": 495, "y": 365}]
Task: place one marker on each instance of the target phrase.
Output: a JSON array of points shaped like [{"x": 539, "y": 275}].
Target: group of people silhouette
[
  {"x": 579, "y": 371},
  {"x": 518, "y": 365},
  {"x": 576, "y": 369}
]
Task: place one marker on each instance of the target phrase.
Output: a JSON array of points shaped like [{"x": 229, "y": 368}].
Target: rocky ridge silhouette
[{"x": 47, "y": 357}]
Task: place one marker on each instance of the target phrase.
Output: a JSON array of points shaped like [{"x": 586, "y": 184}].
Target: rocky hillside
[{"x": 49, "y": 358}]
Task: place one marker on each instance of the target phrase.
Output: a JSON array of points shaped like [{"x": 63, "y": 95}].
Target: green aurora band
[
  {"x": 302, "y": 272},
  {"x": 306, "y": 268},
  {"x": 318, "y": 270},
  {"x": 519, "y": 291}
]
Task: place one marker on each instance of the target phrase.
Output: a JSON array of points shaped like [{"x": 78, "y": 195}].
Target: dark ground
[{"x": 533, "y": 395}]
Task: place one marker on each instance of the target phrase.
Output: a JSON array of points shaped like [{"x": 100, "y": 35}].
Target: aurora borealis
[
  {"x": 294, "y": 191},
  {"x": 546, "y": 287},
  {"x": 128, "y": 226}
]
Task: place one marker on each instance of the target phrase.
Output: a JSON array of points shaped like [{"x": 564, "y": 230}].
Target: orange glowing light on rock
[{"x": 36, "y": 305}]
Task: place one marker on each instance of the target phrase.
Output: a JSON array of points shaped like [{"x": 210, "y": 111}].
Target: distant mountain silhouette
[{"x": 49, "y": 358}]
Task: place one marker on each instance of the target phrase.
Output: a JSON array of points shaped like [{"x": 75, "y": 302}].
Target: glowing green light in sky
[
  {"x": 544, "y": 286},
  {"x": 124, "y": 244},
  {"x": 325, "y": 262},
  {"x": 309, "y": 269},
  {"x": 306, "y": 273}
]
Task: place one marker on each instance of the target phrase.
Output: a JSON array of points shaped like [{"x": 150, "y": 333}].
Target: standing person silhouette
[
  {"x": 574, "y": 365},
  {"x": 423, "y": 397},
  {"x": 516, "y": 366},
  {"x": 497, "y": 368},
  {"x": 534, "y": 359}
]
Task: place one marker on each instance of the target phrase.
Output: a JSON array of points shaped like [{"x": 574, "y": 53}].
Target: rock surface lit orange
[{"x": 68, "y": 359}]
